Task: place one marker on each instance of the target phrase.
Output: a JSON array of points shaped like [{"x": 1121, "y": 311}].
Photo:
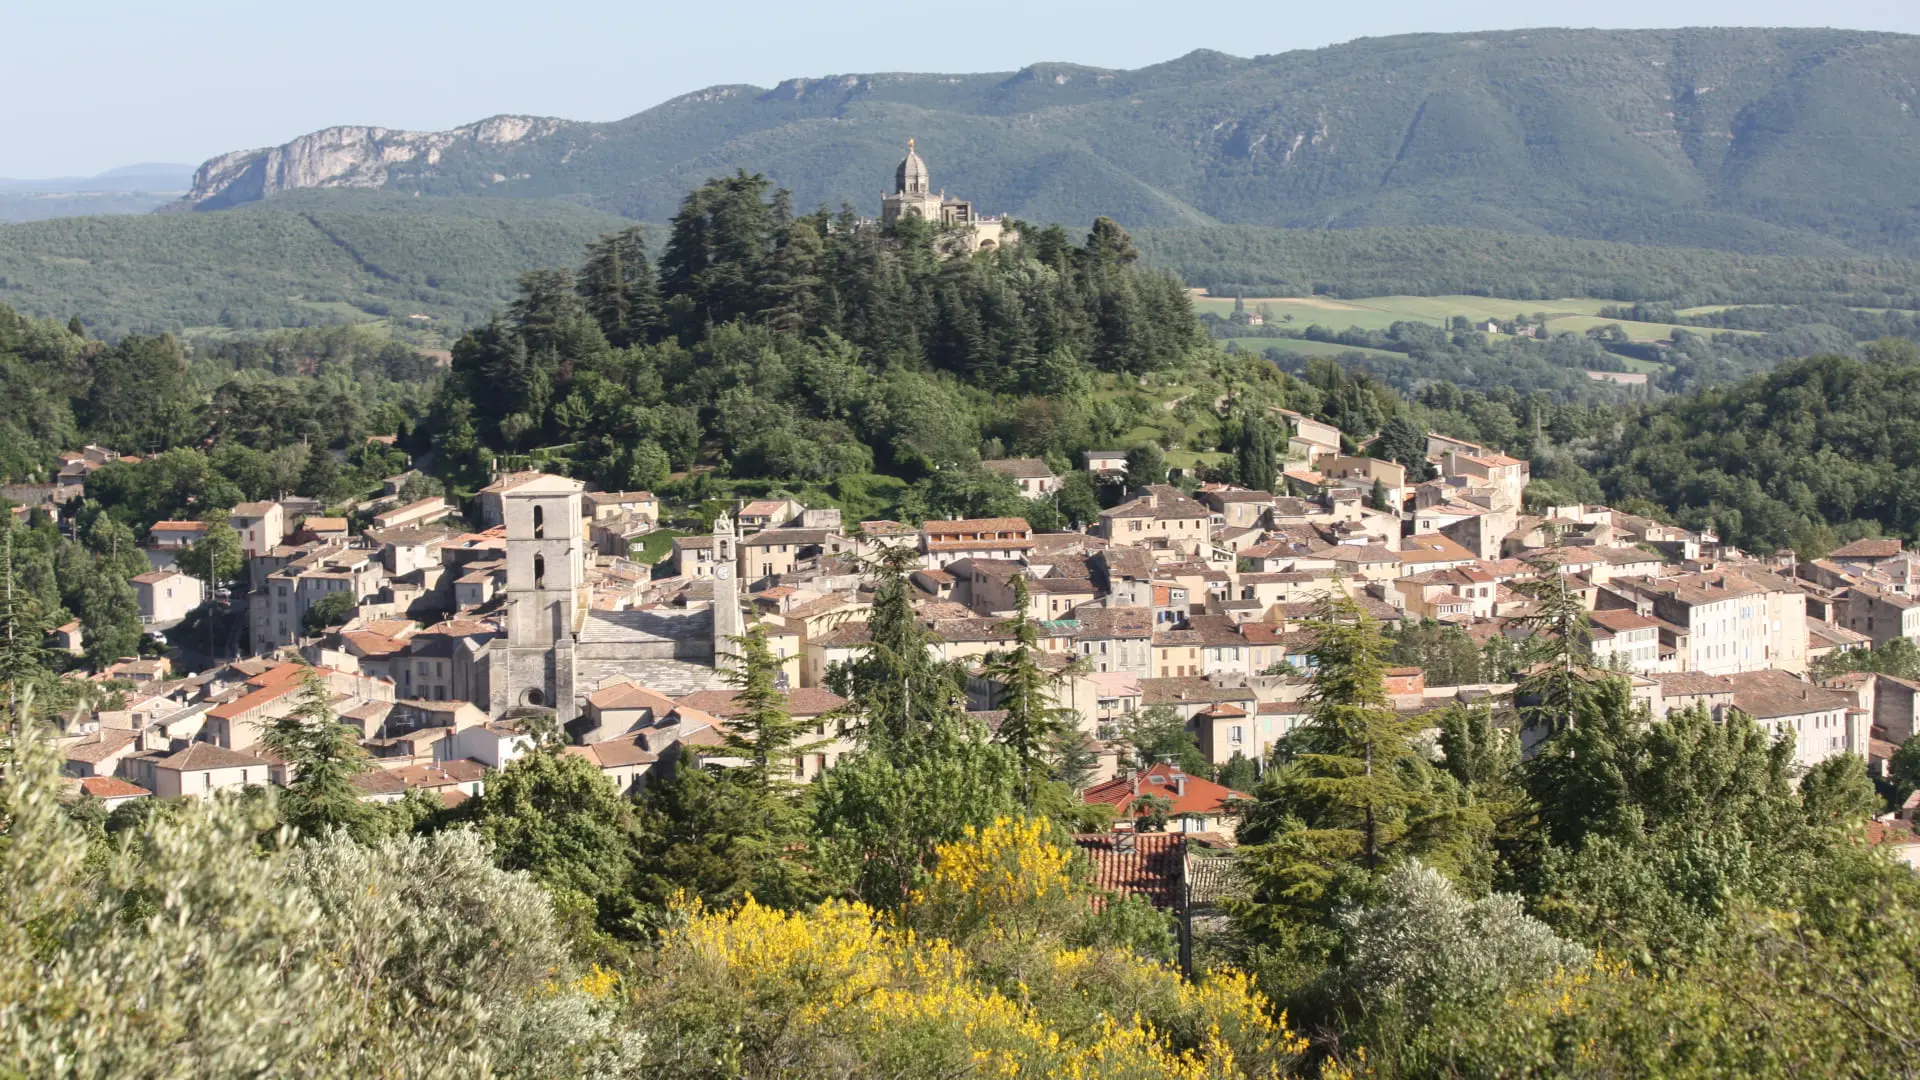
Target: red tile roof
[
  {"x": 1200, "y": 796},
  {"x": 1152, "y": 870},
  {"x": 111, "y": 787}
]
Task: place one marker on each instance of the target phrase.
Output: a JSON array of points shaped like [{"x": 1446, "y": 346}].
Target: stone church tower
[
  {"x": 546, "y": 585},
  {"x": 727, "y": 621},
  {"x": 913, "y": 197}
]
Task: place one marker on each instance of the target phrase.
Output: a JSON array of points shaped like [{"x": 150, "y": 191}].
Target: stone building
[
  {"x": 546, "y": 584},
  {"x": 914, "y": 197}
]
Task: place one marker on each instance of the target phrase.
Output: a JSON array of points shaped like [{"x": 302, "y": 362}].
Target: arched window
[
  {"x": 539, "y": 571},
  {"x": 539, "y": 522}
]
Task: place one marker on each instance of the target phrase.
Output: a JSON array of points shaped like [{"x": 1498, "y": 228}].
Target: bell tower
[
  {"x": 546, "y": 579},
  {"x": 727, "y": 621}
]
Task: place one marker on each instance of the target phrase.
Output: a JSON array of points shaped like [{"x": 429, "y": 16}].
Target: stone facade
[
  {"x": 546, "y": 582},
  {"x": 914, "y": 197}
]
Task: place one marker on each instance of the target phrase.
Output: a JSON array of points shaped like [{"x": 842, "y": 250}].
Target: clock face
[{"x": 723, "y": 572}]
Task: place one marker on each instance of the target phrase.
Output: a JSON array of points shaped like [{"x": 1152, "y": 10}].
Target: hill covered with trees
[
  {"x": 1785, "y": 141},
  {"x": 308, "y": 259}
]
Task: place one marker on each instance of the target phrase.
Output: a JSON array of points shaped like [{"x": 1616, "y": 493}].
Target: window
[
  {"x": 539, "y": 570},
  {"x": 1236, "y": 734},
  {"x": 539, "y": 522}
]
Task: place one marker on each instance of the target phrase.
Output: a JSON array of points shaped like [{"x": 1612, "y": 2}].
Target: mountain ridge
[{"x": 1750, "y": 139}]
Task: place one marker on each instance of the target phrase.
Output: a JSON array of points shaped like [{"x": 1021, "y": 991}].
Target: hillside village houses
[{"x": 610, "y": 614}]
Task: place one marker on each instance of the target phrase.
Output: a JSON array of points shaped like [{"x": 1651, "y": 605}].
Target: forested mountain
[
  {"x": 308, "y": 258},
  {"x": 318, "y": 257},
  {"x": 1819, "y": 451},
  {"x": 1796, "y": 141}
]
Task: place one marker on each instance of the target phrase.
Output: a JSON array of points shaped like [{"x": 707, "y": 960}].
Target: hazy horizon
[{"x": 166, "y": 85}]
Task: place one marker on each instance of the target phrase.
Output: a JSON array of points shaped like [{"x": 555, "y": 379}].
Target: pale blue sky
[{"x": 92, "y": 84}]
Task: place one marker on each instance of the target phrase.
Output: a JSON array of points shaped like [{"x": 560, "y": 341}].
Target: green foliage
[
  {"x": 807, "y": 351},
  {"x": 877, "y": 816},
  {"x": 1033, "y": 721},
  {"x": 555, "y": 816},
  {"x": 1809, "y": 456},
  {"x": 322, "y": 756},
  {"x": 409, "y": 957},
  {"x": 1157, "y": 733},
  {"x": 714, "y": 836},
  {"x": 332, "y": 609},
  {"x": 1347, "y": 796},
  {"x": 217, "y": 557},
  {"x": 1421, "y": 948},
  {"x": 307, "y": 258},
  {"x": 896, "y": 688}
]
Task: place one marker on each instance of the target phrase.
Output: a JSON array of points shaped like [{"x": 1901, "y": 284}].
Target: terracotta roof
[
  {"x": 1620, "y": 620},
  {"x": 1190, "y": 689},
  {"x": 270, "y": 685},
  {"x": 615, "y": 753},
  {"x": 201, "y": 756},
  {"x": 976, "y": 525},
  {"x": 370, "y": 644},
  {"x": 179, "y": 526},
  {"x": 95, "y": 750},
  {"x": 1113, "y": 622},
  {"x": 801, "y": 701},
  {"x": 1018, "y": 468},
  {"x": 1771, "y": 693},
  {"x": 1867, "y": 549},
  {"x": 1362, "y": 554},
  {"x": 324, "y": 524},
  {"x": 1186, "y": 793},
  {"x": 630, "y": 695},
  {"x": 1818, "y": 631},
  {"x": 1888, "y": 832},
  {"x": 1152, "y": 870},
  {"x": 111, "y": 787},
  {"x": 378, "y": 782},
  {"x": 441, "y": 773},
  {"x": 1691, "y": 684},
  {"x": 1433, "y": 548}
]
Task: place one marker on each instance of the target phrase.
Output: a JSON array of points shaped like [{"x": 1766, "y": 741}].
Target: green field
[
  {"x": 1304, "y": 348},
  {"x": 1569, "y": 315}
]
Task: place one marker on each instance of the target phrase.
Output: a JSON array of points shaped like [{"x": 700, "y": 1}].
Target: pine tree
[
  {"x": 897, "y": 689},
  {"x": 762, "y": 731},
  {"x": 324, "y": 757},
  {"x": 1561, "y": 650},
  {"x": 1033, "y": 722},
  {"x": 1350, "y": 791}
]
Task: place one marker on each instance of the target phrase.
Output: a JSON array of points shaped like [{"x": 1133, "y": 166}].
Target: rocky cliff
[{"x": 350, "y": 157}]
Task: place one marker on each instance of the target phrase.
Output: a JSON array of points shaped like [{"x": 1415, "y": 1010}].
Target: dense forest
[
  {"x": 311, "y": 259},
  {"x": 1808, "y": 456},
  {"x": 1441, "y": 261},
  {"x": 810, "y": 350}
]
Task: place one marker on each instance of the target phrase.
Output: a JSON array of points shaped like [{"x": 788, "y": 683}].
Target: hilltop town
[
  {"x": 922, "y": 645},
  {"x": 1198, "y": 598}
]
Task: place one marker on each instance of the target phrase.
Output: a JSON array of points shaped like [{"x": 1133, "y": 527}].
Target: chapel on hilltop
[{"x": 913, "y": 196}]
